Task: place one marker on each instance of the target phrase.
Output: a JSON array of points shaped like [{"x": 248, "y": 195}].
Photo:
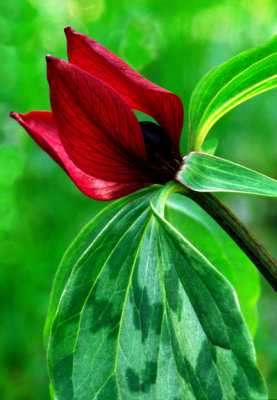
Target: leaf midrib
[
  {"x": 193, "y": 171},
  {"x": 127, "y": 291},
  {"x": 234, "y": 78},
  {"x": 234, "y": 353},
  {"x": 228, "y": 105},
  {"x": 146, "y": 192},
  {"x": 223, "y": 88},
  {"x": 75, "y": 266}
]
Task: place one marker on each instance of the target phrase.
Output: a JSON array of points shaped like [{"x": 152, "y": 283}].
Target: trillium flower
[{"x": 92, "y": 131}]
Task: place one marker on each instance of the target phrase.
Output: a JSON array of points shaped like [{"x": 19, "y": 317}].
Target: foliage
[
  {"x": 228, "y": 85},
  {"x": 134, "y": 318},
  {"x": 38, "y": 220},
  {"x": 206, "y": 173},
  {"x": 137, "y": 310}
]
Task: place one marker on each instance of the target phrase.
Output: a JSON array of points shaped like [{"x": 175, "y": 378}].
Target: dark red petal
[
  {"x": 42, "y": 128},
  {"x": 98, "y": 129},
  {"x": 142, "y": 95}
]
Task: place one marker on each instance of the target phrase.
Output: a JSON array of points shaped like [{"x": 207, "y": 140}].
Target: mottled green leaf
[
  {"x": 144, "y": 315},
  {"x": 205, "y": 173},
  {"x": 78, "y": 248},
  {"x": 223, "y": 88},
  {"x": 216, "y": 352},
  {"x": 204, "y": 233}
]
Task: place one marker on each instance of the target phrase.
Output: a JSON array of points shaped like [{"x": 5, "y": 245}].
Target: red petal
[
  {"x": 142, "y": 95},
  {"x": 98, "y": 129},
  {"x": 42, "y": 128}
]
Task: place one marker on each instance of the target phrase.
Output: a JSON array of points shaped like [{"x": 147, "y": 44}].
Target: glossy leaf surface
[
  {"x": 205, "y": 173},
  {"x": 224, "y": 87},
  {"x": 144, "y": 315}
]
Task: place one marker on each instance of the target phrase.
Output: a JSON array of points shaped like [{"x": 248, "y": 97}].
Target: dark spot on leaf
[
  {"x": 213, "y": 352},
  {"x": 149, "y": 375},
  {"x": 142, "y": 310},
  {"x": 172, "y": 286},
  {"x": 145, "y": 312},
  {"x": 136, "y": 318},
  {"x": 241, "y": 386},
  {"x": 157, "y": 317},
  {"x": 148, "y": 378},
  {"x": 109, "y": 391},
  {"x": 206, "y": 372},
  {"x": 132, "y": 380},
  {"x": 185, "y": 370},
  {"x": 102, "y": 315},
  {"x": 137, "y": 290},
  {"x": 64, "y": 368}
]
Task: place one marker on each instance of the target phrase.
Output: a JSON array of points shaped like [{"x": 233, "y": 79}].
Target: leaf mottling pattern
[{"x": 134, "y": 316}]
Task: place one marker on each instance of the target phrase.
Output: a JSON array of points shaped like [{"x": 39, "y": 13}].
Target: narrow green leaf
[
  {"x": 205, "y": 173},
  {"x": 223, "y": 88},
  {"x": 144, "y": 315}
]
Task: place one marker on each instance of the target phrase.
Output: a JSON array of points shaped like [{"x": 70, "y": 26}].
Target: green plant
[{"x": 143, "y": 304}]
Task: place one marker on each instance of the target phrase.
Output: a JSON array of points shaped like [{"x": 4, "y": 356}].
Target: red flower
[{"x": 92, "y": 132}]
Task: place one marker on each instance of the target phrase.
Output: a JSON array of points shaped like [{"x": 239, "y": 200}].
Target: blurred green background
[{"x": 173, "y": 43}]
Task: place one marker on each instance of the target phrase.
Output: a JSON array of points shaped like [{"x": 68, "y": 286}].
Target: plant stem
[{"x": 257, "y": 253}]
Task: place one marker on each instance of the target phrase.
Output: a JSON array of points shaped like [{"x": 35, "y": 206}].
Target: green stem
[{"x": 257, "y": 253}]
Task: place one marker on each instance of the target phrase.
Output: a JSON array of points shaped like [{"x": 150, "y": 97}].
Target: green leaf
[
  {"x": 205, "y": 173},
  {"x": 144, "y": 315},
  {"x": 223, "y": 88},
  {"x": 210, "y": 146},
  {"x": 204, "y": 233},
  {"x": 78, "y": 248}
]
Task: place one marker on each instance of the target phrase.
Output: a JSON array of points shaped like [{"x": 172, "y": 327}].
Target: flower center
[{"x": 158, "y": 147}]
